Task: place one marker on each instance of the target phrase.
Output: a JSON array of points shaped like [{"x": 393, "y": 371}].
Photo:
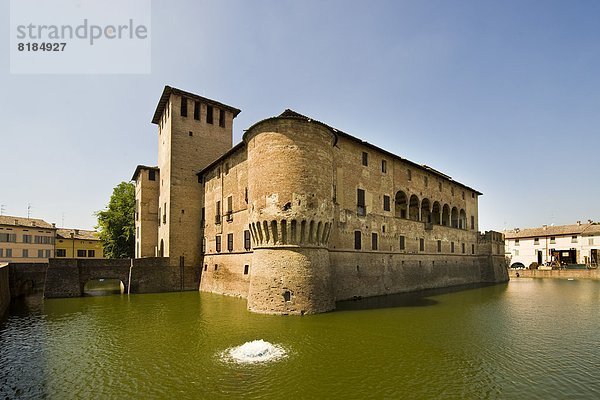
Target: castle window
[
  {"x": 247, "y": 240},
  {"x": 246, "y": 269},
  {"x": 439, "y": 246},
  {"x": 365, "y": 158},
  {"x": 40, "y": 253},
  {"x": 384, "y": 166},
  {"x": 402, "y": 243},
  {"x": 190, "y": 133},
  {"x": 197, "y": 110},
  {"x": 462, "y": 245},
  {"x": 230, "y": 242},
  {"x": 472, "y": 222},
  {"x": 205, "y": 267},
  {"x": 226, "y": 168},
  {"x": 360, "y": 202},
  {"x": 203, "y": 250},
  {"x": 218, "y": 213},
  {"x": 209, "y": 114},
  {"x": 373, "y": 241},
  {"x": 473, "y": 195},
  {"x": 222, "y": 118},
  {"x": 357, "y": 240},
  {"x": 246, "y": 195},
  {"x": 152, "y": 175},
  {"x": 216, "y": 267},
  {"x": 8, "y": 252},
  {"x": 472, "y": 249},
  {"x": 426, "y": 181},
  {"x": 25, "y": 253},
  {"x": 61, "y": 252},
  {"x": 409, "y": 174},
  {"x": 386, "y": 203},
  {"x": 463, "y": 195},
  {"x": 203, "y": 215},
  {"x": 165, "y": 213},
  {"x": 451, "y": 247},
  {"x": 382, "y": 228},
  {"x": 440, "y": 185},
  {"x": 218, "y": 243},
  {"x": 421, "y": 244},
  {"x": 183, "y": 107},
  {"x": 230, "y": 209},
  {"x": 91, "y": 253},
  {"x": 287, "y": 296}
]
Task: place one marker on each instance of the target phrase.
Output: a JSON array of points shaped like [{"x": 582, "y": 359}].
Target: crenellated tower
[{"x": 290, "y": 187}]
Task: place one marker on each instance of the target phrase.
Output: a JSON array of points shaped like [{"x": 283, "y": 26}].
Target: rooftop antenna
[
  {"x": 28, "y": 210},
  {"x": 2, "y": 209}
]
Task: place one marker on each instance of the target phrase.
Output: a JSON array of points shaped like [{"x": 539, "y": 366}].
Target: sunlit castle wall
[{"x": 290, "y": 187}]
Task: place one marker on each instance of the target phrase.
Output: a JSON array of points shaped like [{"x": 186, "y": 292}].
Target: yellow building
[
  {"x": 26, "y": 240},
  {"x": 78, "y": 243}
]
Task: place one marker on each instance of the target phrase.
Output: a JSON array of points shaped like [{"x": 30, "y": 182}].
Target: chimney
[
  {"x": 517, "y": 230},
  {"x": 77, "y": 231},
  {"x": 578, "y": 223},
  {"x": 53, "y": 225},
  {"x": 590, "y": 221},
  {"x": 544, "y": 227}
]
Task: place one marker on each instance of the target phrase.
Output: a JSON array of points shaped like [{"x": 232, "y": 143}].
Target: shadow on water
[{"x": 421, "y": 298}]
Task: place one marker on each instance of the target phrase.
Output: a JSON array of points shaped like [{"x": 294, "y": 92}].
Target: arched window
[
  {"x": 401, "y": 205},
  {"x": 454, "y": 217},
  {"x": 462, "y": 224},
  {"x": 436, "y": 213},
  {"x": 413, "y": 208},
  {"x": 446, "y": 215},
  {"x": 425, "y": 210}
]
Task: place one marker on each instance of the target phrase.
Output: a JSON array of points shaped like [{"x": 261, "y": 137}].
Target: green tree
[{"x": 116, "y": 223}]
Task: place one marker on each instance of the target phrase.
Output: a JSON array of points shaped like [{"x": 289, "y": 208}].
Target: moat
[{"x": 530, "y": 338}]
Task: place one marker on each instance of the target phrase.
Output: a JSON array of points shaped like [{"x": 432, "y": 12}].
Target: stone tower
[
  {"x": 193, "y": 131},
  {"x": 290, "y": 186}
]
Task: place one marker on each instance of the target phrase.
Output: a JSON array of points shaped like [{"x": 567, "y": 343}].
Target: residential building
[
  {"x": 26, "y": 240},
  {"x": 562, "y": 245},
  {"x": 78, "y": 243}
]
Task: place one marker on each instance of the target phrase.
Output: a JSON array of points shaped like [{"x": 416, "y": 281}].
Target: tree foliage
[{"x": 116, "y": 223}]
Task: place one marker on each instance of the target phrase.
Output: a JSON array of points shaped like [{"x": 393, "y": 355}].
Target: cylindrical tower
[{"x": 290, "y": 187}]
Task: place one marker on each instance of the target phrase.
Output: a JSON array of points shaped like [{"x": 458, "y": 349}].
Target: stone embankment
[
  {"x": 4, "y": 289},
  {"x": 555, "y": 273}
]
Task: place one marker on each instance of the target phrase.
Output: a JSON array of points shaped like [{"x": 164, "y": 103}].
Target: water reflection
[{"x": 421, "y": 298}]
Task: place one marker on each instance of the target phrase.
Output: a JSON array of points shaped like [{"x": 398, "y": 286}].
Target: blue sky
[{"x": 503, "y": 96}]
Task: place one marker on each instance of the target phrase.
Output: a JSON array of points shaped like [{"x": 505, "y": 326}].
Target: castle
[{"x": 299, "y": 214}]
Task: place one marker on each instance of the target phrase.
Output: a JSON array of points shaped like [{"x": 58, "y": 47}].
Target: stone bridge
[{"x": 67, "y": 277}]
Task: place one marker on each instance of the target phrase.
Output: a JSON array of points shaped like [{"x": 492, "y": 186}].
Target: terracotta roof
[
  {"x": 287, "y": 113},
  {"x": 166, "y": 94},
  {"x": 559, "y": 230},
  {"x": 26, "y": 222},
  {"x": 141, "y": 167},
  {"x": 82, "y": 234}
]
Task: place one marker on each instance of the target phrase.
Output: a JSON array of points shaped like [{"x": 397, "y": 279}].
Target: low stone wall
[
  {"x": 367, "y": 274},
  {"x": 27, "y": 279},
  {"x": 556, "y": 273},
  {"x": 376, "y": 274},
  {"x": 67, "y": 277},
  {"x": 4, "y": 289}
]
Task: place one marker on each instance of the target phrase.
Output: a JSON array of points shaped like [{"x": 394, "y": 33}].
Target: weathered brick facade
[{"x": 300, "y": 215}]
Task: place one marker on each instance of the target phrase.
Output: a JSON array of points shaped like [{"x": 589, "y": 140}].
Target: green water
[{"x": 529, "y": 339}]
